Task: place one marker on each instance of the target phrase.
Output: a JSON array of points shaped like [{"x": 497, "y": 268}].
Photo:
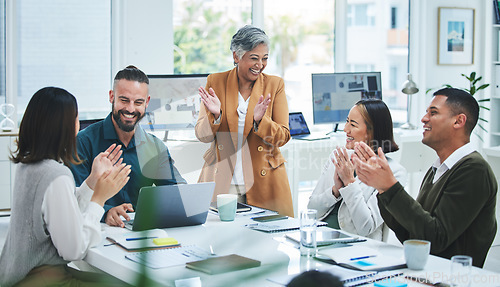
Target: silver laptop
[
  {"x": 299, "y": 129},
  {"x": 172, "y": 206}
]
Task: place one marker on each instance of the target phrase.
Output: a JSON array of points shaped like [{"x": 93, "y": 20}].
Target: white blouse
[
  {"x": 71, "y": 219},
  {"x": 358, "y": 212},
  {"x": 238, "y": 178}
]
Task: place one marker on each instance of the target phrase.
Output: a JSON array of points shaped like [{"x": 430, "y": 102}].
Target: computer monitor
[
  {"x": 88, "y": 122},
  {"x": 174, "y": 102},
  {"x": 334, "y": 94}
]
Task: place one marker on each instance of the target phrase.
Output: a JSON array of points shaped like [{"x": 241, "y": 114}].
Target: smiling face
[
  {"x": 355, "y": 128},
  {"x": 438, "y": 124},
  {"x": 252, "y": 63},
  {"x": 129, "y": 100}
]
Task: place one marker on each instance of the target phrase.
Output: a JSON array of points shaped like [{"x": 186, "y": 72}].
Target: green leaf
[
  {"x": 483, "y": 107},
  {"x": 473, "y": 75},
  {"x": 484, "y": 86},
  {"x": 480, "y": 138},
  {"x": 481, "y": 126},
  {"x": 484, "y": 120},
  {"x": 484, "y": 100},
  {"x": 472, "y": 90}
]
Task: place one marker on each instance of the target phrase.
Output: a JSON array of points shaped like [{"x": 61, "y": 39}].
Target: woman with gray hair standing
[{"x": 244, "y": 116}]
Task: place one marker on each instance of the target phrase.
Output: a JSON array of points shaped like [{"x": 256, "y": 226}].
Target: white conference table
[{"x": 277, "y": 255}]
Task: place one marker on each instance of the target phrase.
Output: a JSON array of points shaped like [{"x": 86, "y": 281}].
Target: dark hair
[
  {"x": 461, "y": 102},
  {"x": 131, "y": 73},
  {"x": 48, "y": 130},
  {"x": 378, "y": 124},
  {"x": 314, "y": 278},
  {"x": 247, "y": 38}
]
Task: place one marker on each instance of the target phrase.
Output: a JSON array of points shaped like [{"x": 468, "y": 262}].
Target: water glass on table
[
  {"x": 460, "y": 270},
  {"x": 308, "y": 225}
]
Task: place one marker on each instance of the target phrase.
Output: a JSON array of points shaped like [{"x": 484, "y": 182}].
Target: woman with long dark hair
[
  {"x": 52, "y": 222},
  {"x": 340, "y": 197}
]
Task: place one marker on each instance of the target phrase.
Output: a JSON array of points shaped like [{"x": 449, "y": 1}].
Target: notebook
[
  {"x": 299, "y": 129},
  {"x": 163, "y": 258},
  {"x": 172, "y": 206},
  {"x": 363, "y": 258},
  {"x": 141, "y": 240},
  {"x": 222, "y": 264},
  {"x": 279, "y": 225}
]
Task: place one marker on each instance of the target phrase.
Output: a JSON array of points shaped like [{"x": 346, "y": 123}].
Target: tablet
[
  {"x": 241, "y": 207},
  {"x": 326, "y": 236}
]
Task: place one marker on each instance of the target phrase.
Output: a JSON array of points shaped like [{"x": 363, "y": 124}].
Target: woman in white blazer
[{"x": 340, "y": 198}]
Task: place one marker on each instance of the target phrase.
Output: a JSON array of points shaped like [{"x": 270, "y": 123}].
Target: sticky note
[
  {"x": 390, "y": 283},
  {"x": 165, "y": 241}
]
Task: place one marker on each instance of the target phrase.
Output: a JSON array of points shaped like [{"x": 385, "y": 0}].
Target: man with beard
[{"x": 148, "y": 156}]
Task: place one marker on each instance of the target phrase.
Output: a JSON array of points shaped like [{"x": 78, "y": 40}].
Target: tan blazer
[{"x": 264, "y": 172}]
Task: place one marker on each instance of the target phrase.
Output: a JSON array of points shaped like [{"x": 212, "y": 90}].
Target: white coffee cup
[
  {"x": 416, "y": 253},
  {"x": 226, "y": 205}
]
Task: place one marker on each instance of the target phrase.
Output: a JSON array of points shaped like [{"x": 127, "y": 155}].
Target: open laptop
[
  {"x": 172, "y": 206},
  {"x": 299, "y": 129}
]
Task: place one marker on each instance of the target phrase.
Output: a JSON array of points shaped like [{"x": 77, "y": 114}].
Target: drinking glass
[
  {"x": 460, "y": 270},
  {"x": 308, "y": 223}
]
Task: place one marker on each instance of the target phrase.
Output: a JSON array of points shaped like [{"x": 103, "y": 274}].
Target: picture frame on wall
[{"x": 456, "y": 36}]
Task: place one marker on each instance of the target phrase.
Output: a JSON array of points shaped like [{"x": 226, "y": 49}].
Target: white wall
[
  {"x": 143, "y": 35},
  {"x": 423, "y": 49}
]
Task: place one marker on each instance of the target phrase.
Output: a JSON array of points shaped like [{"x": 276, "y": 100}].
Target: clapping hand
[
  {"x": 210, "y": 100},
  {"x": 261, "y": 107},
  {"x": 375, "y": 171},
  {"x": 343, "y": 166},
  {"x": 110, "y": 183},
  {"x": 104, "y": 162}
]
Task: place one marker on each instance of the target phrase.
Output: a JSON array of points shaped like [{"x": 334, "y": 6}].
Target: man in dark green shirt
[
  {"x": 455, "y": 208},
  {"x": 148, "y": 156}
]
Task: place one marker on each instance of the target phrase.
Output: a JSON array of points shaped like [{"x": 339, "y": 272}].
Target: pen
[
  {"x": 362, "y": 257},
  {"x": 140, "y": 238}
]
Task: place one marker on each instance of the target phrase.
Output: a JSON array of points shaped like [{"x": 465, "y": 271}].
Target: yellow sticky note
[{"x": 165, "y": 241}]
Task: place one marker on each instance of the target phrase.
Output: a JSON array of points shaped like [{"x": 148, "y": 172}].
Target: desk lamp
[{"x": 409, "y": 88}]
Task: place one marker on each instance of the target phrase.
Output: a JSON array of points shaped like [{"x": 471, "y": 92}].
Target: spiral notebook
[
  {"x": 163, "y": 258},
  {"x": 279, "y": 225}
]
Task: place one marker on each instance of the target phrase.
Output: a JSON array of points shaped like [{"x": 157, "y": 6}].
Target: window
[
  {"x": 65, "y": 43},
  {"x": 302, "y": 43},
  {"x": 2, "y": 52},
  {"x": 393, "y": 17},
  {"x": 203, "y": 31},
  {"x": 361, "y": 14},
  {"x": 382, "y": 47}
]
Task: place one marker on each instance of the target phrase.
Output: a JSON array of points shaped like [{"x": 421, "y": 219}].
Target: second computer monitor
[{"x": 334, "y": 94}]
